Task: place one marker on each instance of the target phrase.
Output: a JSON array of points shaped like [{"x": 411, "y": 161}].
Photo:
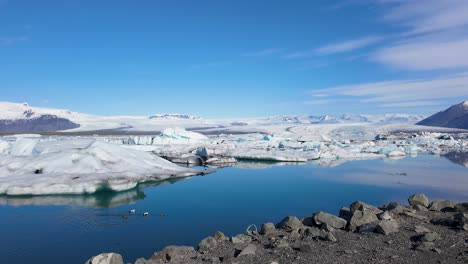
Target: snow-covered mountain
[
  {"x": 21, "y": 117},
  {"x": 357, "y": 118},
  {"x": 174, "y": 117},
  {"x": 455, "y": 116},
  {"x": 339, "y": 119},
  {"x": 17, "y": 117}
]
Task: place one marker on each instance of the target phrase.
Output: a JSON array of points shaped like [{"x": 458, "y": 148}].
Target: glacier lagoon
[{"x": 72, "y": 228}]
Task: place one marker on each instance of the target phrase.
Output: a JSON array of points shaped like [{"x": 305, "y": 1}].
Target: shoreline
[{"x": 423, "y": 231}]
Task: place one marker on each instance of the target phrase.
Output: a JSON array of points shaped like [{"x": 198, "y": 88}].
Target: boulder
[
  {"x": 414, "y": 215},
  {"x": 330, "y": 237},
  {"x": 219, "y": 236},
  {"x": 445, "y": 221},
  {"x": 424, "y": 246},
  {"x": 387, "y": 227},
  {"x": 207, "y": 244},
  {"x": 442, "y": 205},
  {"x": 308, "y": 221},
  {"x": 419, "y": 208},
  {"x": 331, "y": 220},
  {"x": 249, "y": 250},
  {"x": 419, "y": 199},
  {"x": 368, "y": 228},
  {"x": 290, "y": 223},
  {"x": 282, "y": 244},
  {"x": 461, "y": 218},
  {"x": 314, "y": 232},
  {"x": 394, "y": 208},
  {"x": 236, "y": 240},
  {"x": 385, "y": 216},
  {"x": 242, "y": 238},
  {"x": 427, "y": 237},
  {"x": 143, "y": 261},
  {"x": 361, "y": 218},
  {"x": 268, "y": 229},
  {"x": 174, "y": 253},
  {"x": 294, "y": 235},
  {"x": 421, "y": 229},
  {"x": 106, "y": 258},
  {"x": 358, "y": 205},
  {"x": 326, "y": 227},
  {"x": 461, "y": 207},
  {"x": 345, "y": 213}
]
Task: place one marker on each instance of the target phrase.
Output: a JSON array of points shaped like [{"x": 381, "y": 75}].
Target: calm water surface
[{"x": 70, "y": 229}]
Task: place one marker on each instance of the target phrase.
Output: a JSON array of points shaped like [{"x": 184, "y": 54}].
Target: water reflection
[
  {"x": 421, "y": 172},
  {"x": 257, "y": 165},
  {"x": 105, "y": 199},
  {"x": 460, "y": 158}
]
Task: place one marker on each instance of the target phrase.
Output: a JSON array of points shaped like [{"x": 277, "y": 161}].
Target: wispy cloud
[
  {"x": 403, "y": 92},
  {"x": 434, "y": 37},
  {"x": 425, "y": 54},
  {"x": 339, "y": 47},
  {"x": 413, "y": 104},
  {"x": 429, "y": 15},
  {"x": 349, "y": 45}
]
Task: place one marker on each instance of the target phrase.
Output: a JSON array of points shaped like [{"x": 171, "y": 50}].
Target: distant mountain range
[
  {"x": 173, "y": 116},
  {"x": 17, "y": 117},
  {"x": 348, "y": 118},
  {"x": 455, "y": 116}
]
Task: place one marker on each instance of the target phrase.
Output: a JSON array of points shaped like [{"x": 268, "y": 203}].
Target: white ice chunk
[
  {"x": 396, "y": 153},
  {"x": 84, "y": 170},
  {"x": 180, "y": 133},
  {"x": 4, "y": 147},
  {"x": 23, "y": 147}
]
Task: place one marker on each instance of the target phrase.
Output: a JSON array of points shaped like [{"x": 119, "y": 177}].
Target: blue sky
[{"x": 235, "y": 58}]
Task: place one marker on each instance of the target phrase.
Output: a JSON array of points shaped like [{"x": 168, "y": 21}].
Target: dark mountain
[
  {"x": 43, "y": 123},
  {"x": 455, "y": 116}
]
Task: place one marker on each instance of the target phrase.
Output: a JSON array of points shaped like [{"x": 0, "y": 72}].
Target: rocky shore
[{"x": 421, "y": 232}]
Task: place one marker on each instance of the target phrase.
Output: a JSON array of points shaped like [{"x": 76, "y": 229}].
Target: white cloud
[
  {"x": 340, "y": 47},
  {"x": 423, "y": 16},
  {"x": 434, "y": 36},
  {"x": 403, "y": 92},
  {"x": 349, "y": 45},
  {"x": 413, "y": 104},
  {"x": 425, "y": 54}
]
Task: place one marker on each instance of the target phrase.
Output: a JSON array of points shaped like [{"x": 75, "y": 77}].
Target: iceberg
[
  {"x": 4, "y": 147},
  {"x": 180, "y": 133},
  {"x": 23, "y": 147},
  {"x": 75, "y": 170}
]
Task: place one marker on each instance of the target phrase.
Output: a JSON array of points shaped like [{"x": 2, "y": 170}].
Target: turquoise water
[{"x": 70, "y": 229}]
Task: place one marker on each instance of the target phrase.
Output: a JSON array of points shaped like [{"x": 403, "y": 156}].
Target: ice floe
[
  {"x": 99, "y": 165},
  {"x": 86, "y": 164}
]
